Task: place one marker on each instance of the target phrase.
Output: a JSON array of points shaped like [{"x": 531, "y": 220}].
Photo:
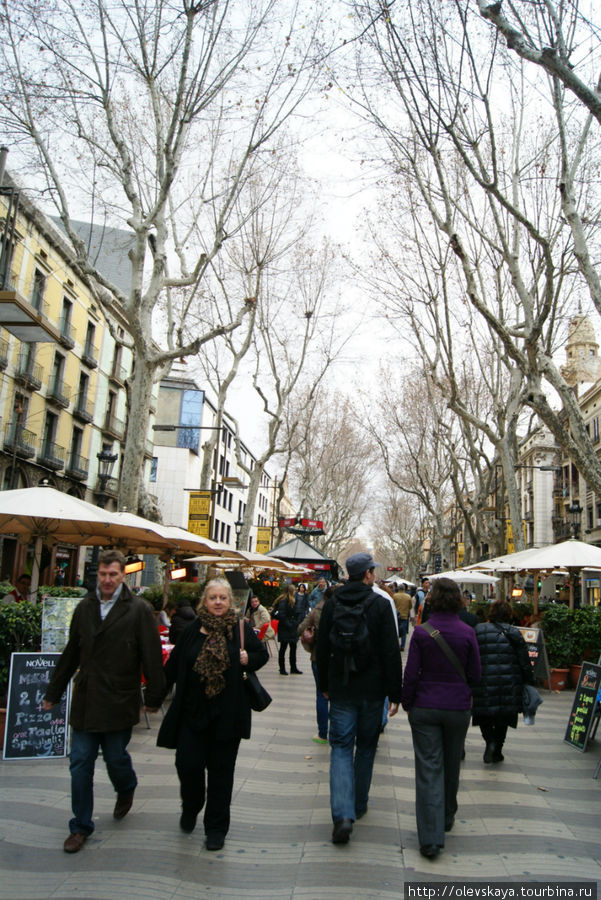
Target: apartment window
[
  {"x": 76, "y": 444},
  {"x": 90, "y": 335},
  {"x": 58, "y": 369},
  {"x": 228, "y": 532},
  {"x": 50, "y": 429},
  {"x": 38, "y": 289},
  {"x": 589, "y": 516},
  {"x": 223, "y": 532},
  {"x": 221, "y": 464},
  {"x": 153, "y": 469},
  {"x": 216, "y": 530},
  {"x": 596, "y": 428},
  {"x": 84, "y": 384},
  {"x": 230, "y": 499}
]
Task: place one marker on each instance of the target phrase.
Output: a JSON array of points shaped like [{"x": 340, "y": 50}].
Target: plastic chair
[{"x": 261, "y": 635}]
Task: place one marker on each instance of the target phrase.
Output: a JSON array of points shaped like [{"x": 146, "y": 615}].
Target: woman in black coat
[
  {"x": 289, "y": 614},
  {"x": 506, "y": 667},
  {"x": 210, "y": 712}
]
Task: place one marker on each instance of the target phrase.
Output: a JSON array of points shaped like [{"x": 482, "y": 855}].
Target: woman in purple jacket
[{"x": 438, "y": 701}]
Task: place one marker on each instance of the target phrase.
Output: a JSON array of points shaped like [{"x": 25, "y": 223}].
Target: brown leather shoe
[
  {"x": 123, "y": 805},
  {"x": 75, "y": 842}
]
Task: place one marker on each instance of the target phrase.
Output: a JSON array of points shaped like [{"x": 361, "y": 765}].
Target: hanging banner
[
  {"x": 199, "y": 513},
  {"x": 263, "y": 539}
]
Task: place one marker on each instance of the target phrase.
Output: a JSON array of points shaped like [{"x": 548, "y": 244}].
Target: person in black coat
[
  {"x": 506, "y": 667},
  {"x": 210, "y": 713},
  {"x": 181, "y": 618},
  {"x": 289, "y": 614}
]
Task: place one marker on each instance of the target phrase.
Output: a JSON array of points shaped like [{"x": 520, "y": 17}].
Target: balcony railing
[
  {"x": 19, "y": 440},
  {"x": 83, "y": 409},
  {"x": 118, "y": 375},
  {"x": 59, "y": 393},
  {"x": 67, "y": 333},
  {"x": 111, "y": 488},
  {"x": 3, "y": 354},
  {"x": 28, "y": 374},
  {"x": 89, "y": 357},
  {"x": 52, "y": 456},
  {"x": 78, "y": 467},
  {"x": 114, "y": 427}
]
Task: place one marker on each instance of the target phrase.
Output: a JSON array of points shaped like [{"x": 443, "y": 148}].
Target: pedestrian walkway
[{"x": 535, "y": 817}]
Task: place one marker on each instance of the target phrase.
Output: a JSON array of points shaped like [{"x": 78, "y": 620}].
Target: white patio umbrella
[
  {"x": 43, "y": 515},
  {"x": 465, "y": 577},
  {"x": 508, "y": 562}
]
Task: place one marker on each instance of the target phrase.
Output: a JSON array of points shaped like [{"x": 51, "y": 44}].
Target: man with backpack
[{"x": 358, "y": 664}]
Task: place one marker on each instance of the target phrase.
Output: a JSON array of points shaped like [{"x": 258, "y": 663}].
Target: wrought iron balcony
[
  {"x": 118, "y": 375},
  {"x": 114, "y": 427},
  {"x": 67, "y": 333},
  {"x": 78, "y": 467},
  {"x": 59, "y": 393},
  {"x": 3, "y": 354},
  {"x": 52, "y": 456},
  {"x": 89, "y": 357},
  {"x": 28, "y": 374},
  {"x": 83, "y": 409},
  {"x": 19, "y": 440}
]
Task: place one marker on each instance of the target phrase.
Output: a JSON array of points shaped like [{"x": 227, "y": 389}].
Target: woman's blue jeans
[
  {"x": 354, "y": 733},
  {"x": 84, "y": 751}
]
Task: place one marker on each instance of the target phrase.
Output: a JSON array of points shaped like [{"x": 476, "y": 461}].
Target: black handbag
[{"x": 258, "y": 697}]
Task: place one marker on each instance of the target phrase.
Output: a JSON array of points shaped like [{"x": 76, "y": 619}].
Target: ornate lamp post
[
  {"x": 239, "y": 525},
  {"x": 106, "y": 461},
  {"x": 575, "y": 512}
]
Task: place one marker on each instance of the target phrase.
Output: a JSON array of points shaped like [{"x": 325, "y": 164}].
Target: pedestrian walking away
[
  {"x": 113, "y": 639},
  {"x": 441, "y": 667},
  {"x": 506, "y": 668},
  {"x": 288, "y": 612},
  {"x": 358, "y": 664},
  {"x": 210, "y": 712},
  {"x": 311, "y": 622}
]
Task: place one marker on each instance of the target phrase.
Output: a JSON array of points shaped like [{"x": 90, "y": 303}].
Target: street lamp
[
  {"x": 106, "y": 461},
  {"x": 575, "y": 511},
  {"x": 239, "y": 525}
]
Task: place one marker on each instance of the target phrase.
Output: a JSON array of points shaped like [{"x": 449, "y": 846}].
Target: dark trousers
[
  {"x": 438, "y": 738},
  {"x": 84, "y": 750},
  {"x": 282, "y": 651},
  {"x": 205, "y": 768},
  {"x": 493, "y": 732}
]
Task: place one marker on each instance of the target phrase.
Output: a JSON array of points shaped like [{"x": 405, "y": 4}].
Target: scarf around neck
[{"x": 213, "y": 659}]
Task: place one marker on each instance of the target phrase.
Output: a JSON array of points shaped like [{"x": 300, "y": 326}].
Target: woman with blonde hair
[
  {"x": 287, "y": 611},
  {"x": 210, "y": 712}
]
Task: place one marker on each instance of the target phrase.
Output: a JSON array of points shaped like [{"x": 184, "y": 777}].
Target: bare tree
[
  {"x": 554, "y": 36},
  {"x": 487, "y": 171},
  {"x": 295, "y": 345},
  {"x": 331, "y": 467},
  {"x": 152, "y": 116}
]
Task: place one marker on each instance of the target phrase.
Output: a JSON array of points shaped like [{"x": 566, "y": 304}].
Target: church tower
[{"x": 582, "y": 353}]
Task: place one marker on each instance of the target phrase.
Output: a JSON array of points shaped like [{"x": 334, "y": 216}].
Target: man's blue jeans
[
  {"x": 321, "y": 706},
  {"x": 354, "y": 733},
  {"x": 84, "y": 750}
]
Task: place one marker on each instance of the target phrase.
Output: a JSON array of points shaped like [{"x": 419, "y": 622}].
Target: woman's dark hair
[
  {"x": 304, "y": 588},
  {"x": 445, "y": 596},
  {"x": 500, "y": 611}
]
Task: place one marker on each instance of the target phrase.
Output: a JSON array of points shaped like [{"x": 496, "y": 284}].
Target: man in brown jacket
[{"x": 112, "y": 640}]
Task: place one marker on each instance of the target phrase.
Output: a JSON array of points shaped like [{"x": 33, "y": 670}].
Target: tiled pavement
[{"x": 536, "y": 817}]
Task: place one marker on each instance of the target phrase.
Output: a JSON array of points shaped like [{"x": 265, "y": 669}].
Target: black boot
[{"x": 489, "y": 752}]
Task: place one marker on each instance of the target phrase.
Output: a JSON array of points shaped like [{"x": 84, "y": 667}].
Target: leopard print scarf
[{"x": 214, "y": 659}]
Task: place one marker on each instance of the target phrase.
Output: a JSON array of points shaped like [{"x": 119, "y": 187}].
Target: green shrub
[
  {"x": 192, "y": 590},
  {"x": 20, "y": 631},
  {"x": 586, "y": 631},
  {"x": 55, "y": 590},
  {"x": 557, "y": 625}
]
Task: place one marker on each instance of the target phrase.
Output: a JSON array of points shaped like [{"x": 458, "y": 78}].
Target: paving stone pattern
[{"x": 536, "y": 817}]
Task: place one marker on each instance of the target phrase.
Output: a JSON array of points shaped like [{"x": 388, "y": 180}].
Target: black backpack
[{"x": 350, "y": 642}]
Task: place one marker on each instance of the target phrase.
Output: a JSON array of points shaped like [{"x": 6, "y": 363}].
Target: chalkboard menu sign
[
  {"x": 583, "y": 707},
  {"x": 31, "y": 731},
  {"x": 536, "y": 651}
]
